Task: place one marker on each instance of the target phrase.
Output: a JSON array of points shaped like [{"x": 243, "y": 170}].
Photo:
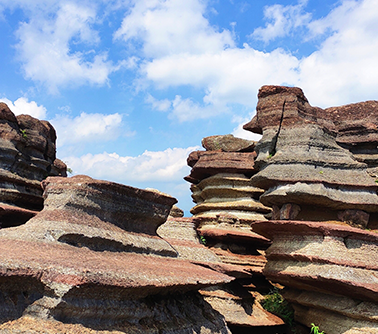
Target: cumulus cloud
[
  {"x": 48, "y": 43},
  {"x": 239, "y": 132},
  {"x": 161, "y": 166},
  {"x": 172, "y": 27},
  {"x": 23, "y": 106},
  {"x": 282, "y": 20},
  {"x": 86, "y": 128}
]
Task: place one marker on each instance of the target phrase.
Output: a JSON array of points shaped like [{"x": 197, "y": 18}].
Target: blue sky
[{"x": 133, "y": 86}]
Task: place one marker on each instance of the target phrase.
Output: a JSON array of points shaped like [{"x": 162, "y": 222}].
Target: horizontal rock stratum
[
  {"x": 307, "y": 156},
  {"x": 91, "y": 260}
]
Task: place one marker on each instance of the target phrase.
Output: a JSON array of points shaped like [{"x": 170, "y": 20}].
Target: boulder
[
  {"x": 91, "y": 261},
  {"x": 228, "y": 143}
]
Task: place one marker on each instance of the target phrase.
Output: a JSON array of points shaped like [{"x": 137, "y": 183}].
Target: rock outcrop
[
  {"x": 301, "y": 165},
  {"x": 329, "y": 270},
  {"x": 27, "y": 148},
  {"x": 324, "y": 198},
  {"x": 238, "y": 301},
  {"x": 221, "y": 180},
  {"x": 91, "y": 262}
]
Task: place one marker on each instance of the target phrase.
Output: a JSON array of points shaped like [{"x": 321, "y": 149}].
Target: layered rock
[
  {"x": 301, "y": 165},
  {"x": 91, "y": 262},
  {"x": 238, "y": 301},
  {"x": 27, "y": 148},
  {"x": 329, "y": 270}
]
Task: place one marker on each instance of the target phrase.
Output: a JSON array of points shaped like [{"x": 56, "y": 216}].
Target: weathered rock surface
[
  {"x": 228, "y": 143},
  {"x": 301, "y": 162},
  {"x": 238, "y": 301},
  {"x": 27, "y": 148},
  {"x": 329, "y": 269},
  {"x": 91, "y": 262}
]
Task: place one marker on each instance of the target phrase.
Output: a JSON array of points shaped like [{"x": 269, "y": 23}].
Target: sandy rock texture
[
  {"x": 91, "y": 262},
  {"x": 329, "y": 270}
]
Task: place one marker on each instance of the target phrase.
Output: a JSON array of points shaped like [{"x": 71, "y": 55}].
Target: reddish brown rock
[
  {"x": 239, "y": 301},
  {"x": 91, "y": 261},
  {"x": 208, "y": 163},
  {"x": 300, "y": 161},
  {"x": 334, "y": 261},
  {"x": 27, "y": 148}
]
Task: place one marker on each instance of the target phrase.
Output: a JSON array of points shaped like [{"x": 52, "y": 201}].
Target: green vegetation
[
  {"x": 276, "y": 304},
  {"x": 315, "y": 329},
  {"x": 69, "y": 170},
  {"x": 202, "y": 239},
  {"x": 23, "y": 133}
]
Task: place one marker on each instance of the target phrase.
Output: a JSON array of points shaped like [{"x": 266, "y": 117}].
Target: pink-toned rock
[
  {"x": 333, "y": 260},
  {"x": 238, "y": 301},
  {"x": 208, "y": 163},
  {"x": 92, "y": 258}
]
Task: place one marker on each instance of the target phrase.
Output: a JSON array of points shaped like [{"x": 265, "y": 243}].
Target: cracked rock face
[
  {"x": 91, "y": 261},
  {"x": 301, "y": 162},
  {"x": 27, "y": 149}
]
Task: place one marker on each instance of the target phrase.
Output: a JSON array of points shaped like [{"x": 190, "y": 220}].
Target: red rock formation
[
  {"x": 91, "y": 260},
  {"x": 27, "y": 148},
  {"x": 238, "y": 301},
  {"x": 301, "y": 163},
  {"x": 330, "y": 270}
]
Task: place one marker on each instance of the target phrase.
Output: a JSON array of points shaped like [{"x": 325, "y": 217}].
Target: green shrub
[{"x": 276, "y": 304}]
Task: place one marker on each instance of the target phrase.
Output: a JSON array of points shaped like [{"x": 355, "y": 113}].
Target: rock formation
[
  {"x": 226, "y": 205},
  {"x": 27, "y": 148},
  {"x": 301, "y": 165},
  {"x": 318, "y": 185},
  {"x": 238, "y": 301},
  {"x": 329, "y": 270},
  {"x": 91, "y": 262}
]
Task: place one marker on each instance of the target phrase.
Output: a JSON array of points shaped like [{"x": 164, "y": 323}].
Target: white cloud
[
  {"x": 172, "y": 27},
  {"x": 162, "y": 166},
  {"x": 282, "y": 21},
  {"x": 86, "y": 128},
  {"x": 160, "y": 105},
  {"x": 344, "y": 69},
  {"x": 47, "y": 46},
  {"x": 23, "y": 106}
]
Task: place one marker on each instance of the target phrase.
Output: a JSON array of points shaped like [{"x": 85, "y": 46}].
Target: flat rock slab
[{"x": 228, "y": 143}]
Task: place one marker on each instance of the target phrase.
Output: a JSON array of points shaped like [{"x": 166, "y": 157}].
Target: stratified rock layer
[
  {"x": 330, "y": 271},
  {"x": 301, "y": 163},
  {"x": 27, "y": 149},
  {"x": 237, "y": 301},
  {"x": 91, "y": 262}
]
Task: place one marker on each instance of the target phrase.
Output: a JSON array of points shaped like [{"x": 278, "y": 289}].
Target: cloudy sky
[{"x": 132, "y": 86}]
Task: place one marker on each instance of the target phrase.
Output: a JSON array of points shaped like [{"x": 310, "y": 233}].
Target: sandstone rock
[
  {"x": 238, "y": 302},
  {"x": 300, "y": 161},
  {"x": 334, "y": 261},
  {"x": 176, "y": 212},
  {"x": 208, "y": 163},
  {"x": 228, "y": 143},
  {"x": 27, "y": 148},
  {"x": 92, "y": 262}
]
